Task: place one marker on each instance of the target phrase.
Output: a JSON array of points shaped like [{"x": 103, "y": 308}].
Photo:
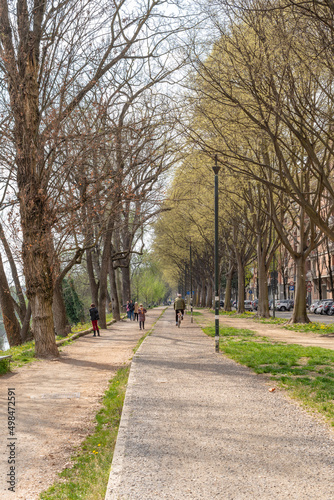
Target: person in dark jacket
[
  {"x": 94, "y": 316},
  {"x": 131, "y": 309}
]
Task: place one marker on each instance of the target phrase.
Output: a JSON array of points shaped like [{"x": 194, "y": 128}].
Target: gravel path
[
  {"x": 56, "y": 404},
  {"x": 196, "y": 425}
]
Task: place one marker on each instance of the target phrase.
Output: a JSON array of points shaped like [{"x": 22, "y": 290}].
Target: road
[{"x": 320, "y": 318}]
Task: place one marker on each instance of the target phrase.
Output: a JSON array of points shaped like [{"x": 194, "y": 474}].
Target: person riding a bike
[{"x": 179, "y": 306}]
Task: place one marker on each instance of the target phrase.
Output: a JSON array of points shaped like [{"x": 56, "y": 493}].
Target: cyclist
[{"x": 179, "y": 306}]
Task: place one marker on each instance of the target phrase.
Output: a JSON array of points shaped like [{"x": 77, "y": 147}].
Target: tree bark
[
  {"x": 104, "y": 278},
  {"x": 93, "y": 284},
  {"x": 114, "y": 294},
  {"x": 241, "y": 285},
  {"x": 19, "y": 292},
  {"x": 61, "y": 324},
  {"x": 26, "y": 333},
  {"x": 37, "y": 255},
  {"x": 126, "y": 284},
  {"x": 299, "y": 311},
  {"x": 263, "y": 304},
  {"x": 11, "y": 323},
  {"x": 209, "y": 295},
  {"x": 203, "y": 293},
  {"x": 228, "y": 290}
]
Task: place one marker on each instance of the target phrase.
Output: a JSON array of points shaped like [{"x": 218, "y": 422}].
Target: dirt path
[
  {"x": 56, "y": 402},
  {"x": 273, "y": 331}
]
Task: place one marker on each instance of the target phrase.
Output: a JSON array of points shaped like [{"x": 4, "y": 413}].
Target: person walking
[
  {"x": 127, "y": 309},
  {"x": 135, "y": 311},
  {"x": 131, "y": 309},
  {"x": 94, "y": 316},
  {"x": 141, "y": 315}
]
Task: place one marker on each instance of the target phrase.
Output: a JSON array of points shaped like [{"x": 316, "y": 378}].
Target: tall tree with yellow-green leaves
[{"x": 267, "y": 112}]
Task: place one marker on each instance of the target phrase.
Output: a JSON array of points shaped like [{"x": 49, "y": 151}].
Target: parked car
[
  {"x": 255, "y": 304},
  {"x": 327, "y": 306},
  {"x": 313, "y": 306},
  {"x": 319, "y": 307},
  {"x": 331, "y": 310},
  {"x": 221, "y": 303},
  {"x": 248, "y": 305},
  {"x": 322, "y": 306},
  {"x": 284, "y": 305}
]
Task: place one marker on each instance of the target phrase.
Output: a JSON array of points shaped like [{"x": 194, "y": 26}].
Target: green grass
[
  {"x": 319, "y": 328},
  {"x": 21, "y": 355},
  {"x": 234, "y": 314},
  {"x": 195, "y": 313},
  {"x": 306, "y": 372},
  {"x": 315, "y": 327},
  {"x": 88, "y": 478},
  {"x": 272, "y": 321}
]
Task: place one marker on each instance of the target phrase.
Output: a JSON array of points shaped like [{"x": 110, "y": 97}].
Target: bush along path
[{"x": 57, "y": 402}]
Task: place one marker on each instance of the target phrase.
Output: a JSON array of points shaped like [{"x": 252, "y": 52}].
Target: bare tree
[{"x": 52, "y": 57}]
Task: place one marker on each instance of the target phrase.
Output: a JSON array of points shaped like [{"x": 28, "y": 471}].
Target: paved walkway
[{"x": 196, "y": 425}]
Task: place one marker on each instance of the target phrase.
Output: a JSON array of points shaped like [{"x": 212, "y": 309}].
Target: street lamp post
[
  {"x": 191, "y": 284},
  {"x": 216, "y": 170}
]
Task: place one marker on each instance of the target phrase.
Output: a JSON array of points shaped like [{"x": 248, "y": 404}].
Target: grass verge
[
  {"x": 313, "y": 327},
  {"x": 306, "y": 372},
  {"x": 88, "y": 478},
  {"x": 234, "y": 314}
]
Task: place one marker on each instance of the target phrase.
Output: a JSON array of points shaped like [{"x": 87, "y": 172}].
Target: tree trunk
[
  {"x": 228, "y": 290},
  {"x": 10, "y": 321},
  {"x": 209, "y": 295},
  {"x": 263, "y": 305},
  {"x": 126, "y": 284},
  {"x": 299, "y": 311},
  {"x": 94, "y": 286},
  {"x": 18, "y": 288},
  {"x": 104, "y": 278},
  {"x": 37, "y": 254},
  {"x": 241, "y": 286},
  {"x": 203, "y": 293},
  {"x": 61, "y": 324},
  {"x": 114, "y": 295},
  {"x": 119, "y": 289},
  {"x": 26, "y": 333}
]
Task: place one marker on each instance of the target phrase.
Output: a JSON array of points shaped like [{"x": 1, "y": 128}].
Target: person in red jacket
[{"x": 94, "y": 316}]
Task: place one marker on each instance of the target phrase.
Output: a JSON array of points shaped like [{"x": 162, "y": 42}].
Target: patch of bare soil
[
  {"x": 56, "y": 402},
  {"x": 274, "y": 332}
]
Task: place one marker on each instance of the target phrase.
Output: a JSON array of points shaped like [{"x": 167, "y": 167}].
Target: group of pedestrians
[{"x": 136, "y": 312}]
